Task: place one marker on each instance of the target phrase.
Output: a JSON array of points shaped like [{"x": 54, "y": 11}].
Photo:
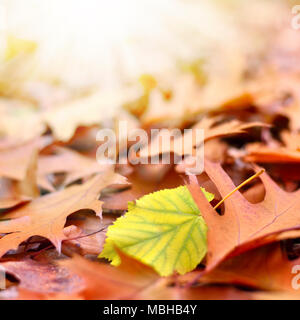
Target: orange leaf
[
  {"x": 46, "y": 216},
  {"x": 105, "y": 282},
  {"x": 265, "y": 268},
  {"x": 244, "y": 225},
  {"x": 211, "y": 130}
]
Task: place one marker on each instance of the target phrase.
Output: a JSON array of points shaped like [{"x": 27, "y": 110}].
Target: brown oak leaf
[
  {"x": 245, "y": 225},
  {"x": 211, "y": 128},
  {"x": 46, "y": 215}
]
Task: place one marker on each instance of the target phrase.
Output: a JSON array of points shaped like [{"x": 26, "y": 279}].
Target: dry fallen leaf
[
  {"x": 265, "y": 268},
  {"x": 105, "y": 282},
  {"x": 43, "y": 277},
  {"x": 244, "y": 225},
  {"x": 68, "y": 161},
  {"x": 135, "y": 281},
  {"x": 88, "y": 110},
  {"x": 46, "y": 216},
  {"x": 190, "y": 140}
]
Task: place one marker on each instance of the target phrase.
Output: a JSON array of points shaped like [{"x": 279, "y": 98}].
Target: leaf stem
[{"x": 238, "y": 187}]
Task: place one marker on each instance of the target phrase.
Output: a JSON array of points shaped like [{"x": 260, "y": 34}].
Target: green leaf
[{"x": 163, "y": 229}]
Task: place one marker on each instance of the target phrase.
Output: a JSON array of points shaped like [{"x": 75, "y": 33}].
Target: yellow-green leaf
[{"x": 163, "y": 229}]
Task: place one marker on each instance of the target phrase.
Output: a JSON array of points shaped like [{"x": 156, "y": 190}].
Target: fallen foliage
[{"x": 72, "y": 227}]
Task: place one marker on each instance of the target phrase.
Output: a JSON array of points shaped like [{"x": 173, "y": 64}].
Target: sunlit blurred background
[
  {"x": 53, "y": 51},
  {"x": 87, "y": 42}
]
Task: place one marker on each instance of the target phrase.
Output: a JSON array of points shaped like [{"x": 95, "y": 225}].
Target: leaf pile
[{"x": 72, "y": 228}]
